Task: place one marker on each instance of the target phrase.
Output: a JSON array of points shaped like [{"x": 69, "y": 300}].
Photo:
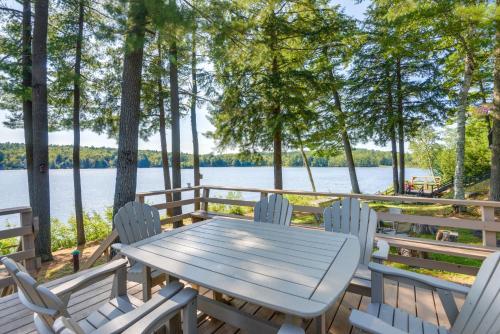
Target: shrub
[{"x": 96, "y": 226}]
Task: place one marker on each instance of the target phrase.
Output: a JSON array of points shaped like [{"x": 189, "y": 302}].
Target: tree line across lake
[{"x": 12, "y": 156}]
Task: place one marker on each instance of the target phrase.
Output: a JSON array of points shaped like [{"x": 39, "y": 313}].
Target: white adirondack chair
[
  {"x": 134, "y": 222},
  {"x": 123, "y": 313},
  {"x": 351, "y": 216},
  {"x": 479, "y": 314},
  {"x": 274, "y": 210}
]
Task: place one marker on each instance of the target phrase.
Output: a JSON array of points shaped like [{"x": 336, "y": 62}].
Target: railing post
[
  {"x": 196, "y": 203},
  {"x": 489, "y": 237},
  {"x": 139, "y": 198},
  {"x": 28, "y": 240},
  {"x": 206, "y": 194}
]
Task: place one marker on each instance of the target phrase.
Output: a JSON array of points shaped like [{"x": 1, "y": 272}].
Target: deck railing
[
  {"x": 487, "y": 223},
  {"x": 26, "y": 231}
]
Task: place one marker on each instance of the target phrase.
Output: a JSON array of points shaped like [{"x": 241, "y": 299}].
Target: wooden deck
[{"x": 14, "y": 318}]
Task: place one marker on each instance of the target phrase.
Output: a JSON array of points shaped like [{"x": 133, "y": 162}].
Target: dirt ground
[{"x": 62, "y": 264}]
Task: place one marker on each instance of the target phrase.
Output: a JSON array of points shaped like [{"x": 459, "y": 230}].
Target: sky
[{"x": 207, "y": 145}]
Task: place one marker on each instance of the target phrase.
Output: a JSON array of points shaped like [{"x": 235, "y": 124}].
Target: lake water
[{"x": 98, "y": 184}]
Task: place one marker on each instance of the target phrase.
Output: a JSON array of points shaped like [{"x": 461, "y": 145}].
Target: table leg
[
  {"x": 320, "y": 324},
  {"x": 146, "y": 284}
]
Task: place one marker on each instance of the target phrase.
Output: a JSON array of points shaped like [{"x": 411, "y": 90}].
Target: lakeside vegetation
[{"x": 12, "y": 156}]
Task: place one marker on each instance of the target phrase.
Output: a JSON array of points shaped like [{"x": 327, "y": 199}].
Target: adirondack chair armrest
[
  {"x": 372, "y": 324},
  {"x": 423, "y": 280},
  {"x": 117, "y": 247},
  {"x": 290, "y": 329},
  {"x": 184, "y": 300},
  {"x": 382, "y": 252},
  {"x": 89, "y": 277}
]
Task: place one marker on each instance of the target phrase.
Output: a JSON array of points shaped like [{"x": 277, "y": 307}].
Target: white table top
[{"x": 293, "y": 270}]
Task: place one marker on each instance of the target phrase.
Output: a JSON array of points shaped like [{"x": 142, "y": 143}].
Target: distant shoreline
[
  {"x": 106, "y": 168},
  {"x": 12, "y": 156}
]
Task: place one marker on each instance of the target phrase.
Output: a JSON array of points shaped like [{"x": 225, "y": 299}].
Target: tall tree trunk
[
  {"x": 461, "y": 117},
  {"x": 401, "y": 131},
  {"x": 163, "y": 134},
  {"x": 487, "y": 117},
  {"x": 41, "y": 191},
  {"x": 495, "y": 147},
  {"x": 27, "y": 105},
  {"x": 347, "y": 144},
  {"x": 194, "y": 130},
  {"x": 306, "y": 163},
  {"x": 394, "y": 154},
  {"x": 80, "y": 231},
  {"x": 126, "y": 165},
  {"x": 175, "y": 120},
  {"x": 392, "y": 132},
  {"x": 277, "y": 153}
]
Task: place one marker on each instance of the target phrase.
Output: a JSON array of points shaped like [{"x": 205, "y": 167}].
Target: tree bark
[
  {"x": 80, "y": 231},
  {"x": 163, "y": 134},
  {"x": 126, "y": 165},
  {"x": 495, "y": 147},
  {"x": 347, "y": 144},
  {"x": 27, "y": 105},
  {"x": 194, "y": 130},
  {"x": 401, "y": 133},
  {"x": 277, "y": 154},
  {"x": 41, "y": 190},
  {"x": 306, "y": 164},
  {"x": 392, "y": 133},
  {"x": 487, "y": 117},
  {"x": 175, "y": 120},
  {"x": 461, "y": 117}
]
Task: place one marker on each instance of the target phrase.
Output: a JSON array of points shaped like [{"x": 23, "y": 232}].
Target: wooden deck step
[{"x": 423, "y": 303}]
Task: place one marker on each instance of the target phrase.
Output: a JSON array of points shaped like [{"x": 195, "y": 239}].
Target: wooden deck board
[{"x": 16, "y": 319}]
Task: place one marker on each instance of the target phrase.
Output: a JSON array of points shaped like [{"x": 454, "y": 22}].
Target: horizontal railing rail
[
  {"x": 203, "y": 197},
  {"x": 26, "y": 231}
]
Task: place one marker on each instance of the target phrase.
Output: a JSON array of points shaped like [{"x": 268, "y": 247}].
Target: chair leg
[
  {"x": 189, "y": 319},
  {"x": 146, "y": 284}
]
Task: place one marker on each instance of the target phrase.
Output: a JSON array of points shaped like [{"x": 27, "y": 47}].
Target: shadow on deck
[{"x": 15, "y": 318}]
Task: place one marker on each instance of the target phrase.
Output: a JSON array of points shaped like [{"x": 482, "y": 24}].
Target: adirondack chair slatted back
[
  {"x": 351, "y": 216},
  {"x": 45, "y": 304},
  {"x": 274, "y": 210},
  {"x": 481, "y": 310},
  {"x": 136, "y": 221}
]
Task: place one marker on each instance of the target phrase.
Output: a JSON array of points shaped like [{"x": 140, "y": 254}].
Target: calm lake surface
[{"x": 98, "y": 184}]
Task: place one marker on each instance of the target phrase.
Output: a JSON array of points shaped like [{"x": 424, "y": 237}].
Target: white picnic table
[{"x": 300, "y": 272}]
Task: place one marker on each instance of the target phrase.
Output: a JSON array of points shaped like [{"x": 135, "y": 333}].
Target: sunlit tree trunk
[
  {"x": 27, "y": 104},
  {"x": 41, "y": 191},
  {"x": 495, "y": 147},
  {"x": 487, "y": 117},
  {"x": 392, "y": 133},
  {"x": 306, "y": 164},
  {"x": 401, "y": 131},
  {"x": 80, "y": 231},
  {"x": 194, "y": 130},
  {"x": 347, "y": 144},
  {"x": 163, "y": 134},
  {"x": 461, "y": 118},
  {"x": 175, "y": 122},
  {"x": 126, "y": 165},
  {"x": 277, "y": 133}
]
